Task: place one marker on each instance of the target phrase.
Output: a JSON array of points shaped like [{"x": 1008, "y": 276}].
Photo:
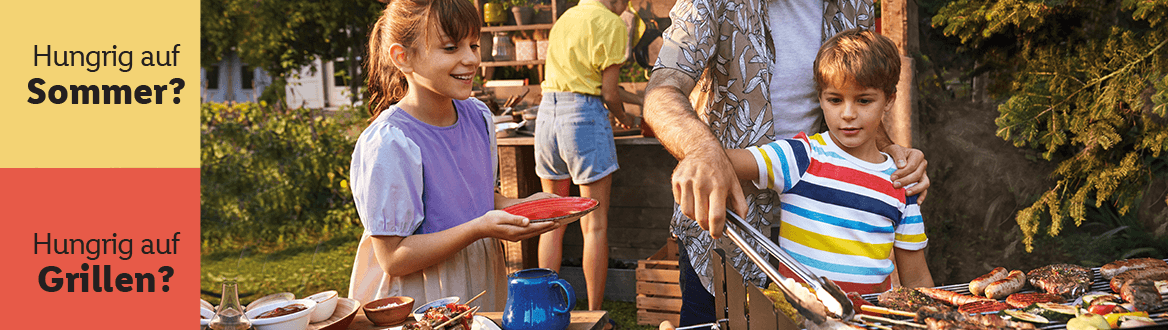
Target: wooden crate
[
  {"x": 658, "y": 291},
  {"x": 732, "y": 297}
]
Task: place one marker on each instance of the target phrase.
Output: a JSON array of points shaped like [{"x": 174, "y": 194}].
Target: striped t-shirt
[{"x": 841, "y": 217}]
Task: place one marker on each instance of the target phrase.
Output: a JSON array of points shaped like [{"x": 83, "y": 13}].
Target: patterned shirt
[
  {"x": 726, "y": 47},
  {"x": 841, "y": 216}
]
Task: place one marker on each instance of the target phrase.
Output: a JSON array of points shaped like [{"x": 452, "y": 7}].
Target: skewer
[
  {"x": 475, "y": 296},
  {"x": 891, "y": 321},
  {"x": 870, "y": 324},
  {"x": 457, "y": 317},
  {"x": 887, "y": 311}
]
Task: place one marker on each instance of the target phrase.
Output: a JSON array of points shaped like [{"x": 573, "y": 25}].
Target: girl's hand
[
  {"x": 507, "y": 226},
  {"x": 539, "y": 196},
  {"x": 623, "y": 121},
  {"x": 503, "y": 202}
]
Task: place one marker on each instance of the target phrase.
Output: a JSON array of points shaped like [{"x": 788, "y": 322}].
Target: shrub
[{"x": 270, "y": 175}]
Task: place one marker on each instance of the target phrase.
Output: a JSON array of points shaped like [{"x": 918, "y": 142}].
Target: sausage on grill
[
  {"x": 1005, "y": 287},
  {"x": 977, "y": 286},
  {"x": 950, "y": 297},
  {"x": 1117, "y": 267}
]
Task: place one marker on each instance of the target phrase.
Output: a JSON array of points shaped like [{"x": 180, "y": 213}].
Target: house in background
[{"x": 319, "y": 88}]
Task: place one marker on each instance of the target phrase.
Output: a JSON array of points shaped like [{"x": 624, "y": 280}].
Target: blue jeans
[
  {"x": 573, "y": 138},
  {"x": 697, "y": 304}
]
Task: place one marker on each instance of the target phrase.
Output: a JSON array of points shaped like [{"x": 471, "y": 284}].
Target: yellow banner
[{"x": 100, "y": 84}]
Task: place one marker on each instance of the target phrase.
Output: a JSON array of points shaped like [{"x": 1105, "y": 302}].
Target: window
[
  {"x": 213, "y": 77},
  {"x": 248, "y": 80},
  {"x": 342, "y": 76},
  {"x": 340, "y": 73}
]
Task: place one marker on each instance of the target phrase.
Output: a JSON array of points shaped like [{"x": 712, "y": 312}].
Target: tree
[
  {"x": 282, "y": 36},
  {"x": 1088, "y": 86}
]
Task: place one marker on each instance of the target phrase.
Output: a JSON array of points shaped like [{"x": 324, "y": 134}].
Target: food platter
[
  {"x": 1098, "y": 285},
  {"x": 562, "y": 209},
  {"x": 480, "y": 323}
]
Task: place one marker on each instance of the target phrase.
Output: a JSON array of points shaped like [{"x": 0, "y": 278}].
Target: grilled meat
[
  {"x": 1154, "y": 274},
  {"x": 1142, "y": 293},
  {"x": 977, "y": 286},
  {"x": 1021, "y": 300},
  {"x": 939, "y": 312},
  {"x": 976, "y": 322},
  {"x": 1066, "y": 280},
  {"x": 1007, "y": 286},
  {"x": 1118, "y": 267},
  {"x": 950, "y": 297},
  {"x": 905, "y": 299},
  {"x": 979, "y": 307}
]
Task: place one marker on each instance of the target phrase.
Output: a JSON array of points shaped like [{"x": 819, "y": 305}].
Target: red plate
[{"x": 554, "y": 209}]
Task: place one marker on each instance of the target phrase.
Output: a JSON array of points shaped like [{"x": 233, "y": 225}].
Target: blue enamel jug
[{"x": 537, "y": 299}]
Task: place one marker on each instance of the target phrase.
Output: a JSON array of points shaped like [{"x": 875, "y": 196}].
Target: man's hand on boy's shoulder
[{"x": 911, "y": 168}]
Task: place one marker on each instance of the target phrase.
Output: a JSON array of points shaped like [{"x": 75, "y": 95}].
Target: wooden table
[{"x": 581, "y": 320}]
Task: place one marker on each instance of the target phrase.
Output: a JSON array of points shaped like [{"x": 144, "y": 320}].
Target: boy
[{"x": 841, "y": 216}]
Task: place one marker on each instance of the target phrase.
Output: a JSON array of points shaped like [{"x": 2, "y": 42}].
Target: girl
[
  {"x": 423, "y": 172},
  {"x": 573, "y": 139}
]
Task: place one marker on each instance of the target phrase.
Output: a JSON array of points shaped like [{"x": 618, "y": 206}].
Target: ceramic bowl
[
  {"x": 421, "y": 310},
  {"x": 205, "y": 315},
  {"x": 270, "y": 299},
  {"x": 346, "y": 311},
  {"x": 294, "y": 321},
  {"x": 379, "y": 314},
  {"x": 326, "y": 303}
]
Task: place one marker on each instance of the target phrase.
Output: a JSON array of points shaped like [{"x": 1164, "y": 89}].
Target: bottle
[
  {"x": 229, "y": 315},
  {"x": 504, "y": 48}
]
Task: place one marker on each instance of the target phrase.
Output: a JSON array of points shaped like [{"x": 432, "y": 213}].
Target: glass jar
[
  {"x": 229, "y": 315},
  {"x": 504, "y": 48}
]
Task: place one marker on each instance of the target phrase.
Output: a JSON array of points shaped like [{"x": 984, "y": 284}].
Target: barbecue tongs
[{"x": 819, "y": 284}]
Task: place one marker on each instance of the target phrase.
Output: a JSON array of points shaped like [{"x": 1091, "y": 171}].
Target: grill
[
  {"x": 744, "y": 307},
  {"x": 1100, "y": 285}
]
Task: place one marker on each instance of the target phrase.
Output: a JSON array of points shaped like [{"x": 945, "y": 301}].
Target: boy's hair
[
  {"x": 406, "y": 22},
  {"x": 858, "y": 56}
]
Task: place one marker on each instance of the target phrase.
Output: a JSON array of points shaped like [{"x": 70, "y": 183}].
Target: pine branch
[{"x": 1127, "y": 67}]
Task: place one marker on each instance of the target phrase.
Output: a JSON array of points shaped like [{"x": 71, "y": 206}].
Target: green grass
[
  {"x": 624, "y": 313},
  {"x": 307, "y": 268},
  {"x": 300, "y": 268}
]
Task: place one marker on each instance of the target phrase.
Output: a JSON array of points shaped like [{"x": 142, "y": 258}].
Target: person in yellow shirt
[{"x": 573, "y": 138}]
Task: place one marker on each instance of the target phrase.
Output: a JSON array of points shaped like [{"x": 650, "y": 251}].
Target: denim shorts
[{"x": 573, "y": 138}]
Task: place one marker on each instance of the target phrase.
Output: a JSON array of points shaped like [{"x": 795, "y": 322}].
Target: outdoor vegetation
[
  {"x": 1086, "y": 84},
  {"x": 1044, "y": 122}
]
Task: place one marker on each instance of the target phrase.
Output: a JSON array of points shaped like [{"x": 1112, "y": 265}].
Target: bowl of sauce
[{"x": 288, "y": 315}]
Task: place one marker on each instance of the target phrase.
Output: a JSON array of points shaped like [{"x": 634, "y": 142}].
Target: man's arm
[{"x": 704, "y": 177}]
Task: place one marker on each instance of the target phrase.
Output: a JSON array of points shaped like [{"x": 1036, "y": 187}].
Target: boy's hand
[
  {"x": 911, "y": 166},
  {"x": 507, "y": 226}
]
